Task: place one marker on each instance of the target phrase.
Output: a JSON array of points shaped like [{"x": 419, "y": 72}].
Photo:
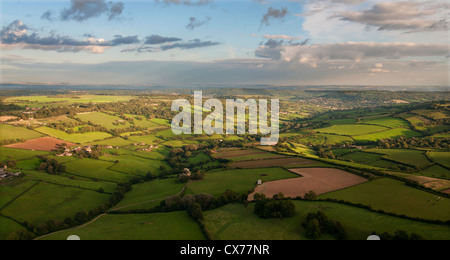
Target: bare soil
[
  {"x": 40, "y": 144},
  {"x": 270, "y": 163},
  {"x": 319, "y": 180}
]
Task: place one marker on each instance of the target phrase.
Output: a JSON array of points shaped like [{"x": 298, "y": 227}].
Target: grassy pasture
[
  {"x": 441, "y": 157},
  {"x": 407, "y": 156},
  {"x": 369, "y": 159},
  {"x": 390, "y": 122},
  {"x": 52, "y": 202},
  {"x": 19, "y": 154},
  {"x": 149, "y": 194},
  {"x": 240, "y": 181},
  {"x": 62, "y": 100},
  {"x": 116, "y": 141},
  {"x": 236, "y": 222},
  {"x": 95, "y": 169},
  {"x": 130, "y": 164},
  {"x": 105, "y": 120},
  {"x": 352, "y": 130},
  {"x": 74, "y": 138},
  {"x": 8, "y": 132},
  {"x": 76, "y": 183},
  {"x": 392, "y": 133},
  {"x": 394, "y": 196},
  {"x": 12, "y": 188},
  {"x": 8, "y": 226},
  {"x": 139, "y": 227},
  {"x": 436, "y": 171}
]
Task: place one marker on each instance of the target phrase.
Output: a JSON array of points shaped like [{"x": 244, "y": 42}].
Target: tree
[
  {"x": 195, "y": 211},
  {"x": 311, "y": 195},
  {"x": 313, "y": 229}
]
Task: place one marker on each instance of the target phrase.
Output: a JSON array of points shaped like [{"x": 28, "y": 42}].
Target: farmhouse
[{"x": 5, "y": 174}]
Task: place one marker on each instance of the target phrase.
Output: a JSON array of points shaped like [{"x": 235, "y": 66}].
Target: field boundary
[{"x": 18, "y": 196}]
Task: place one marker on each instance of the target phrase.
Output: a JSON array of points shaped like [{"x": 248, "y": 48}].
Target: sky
[{"x": 217, "y": 42}]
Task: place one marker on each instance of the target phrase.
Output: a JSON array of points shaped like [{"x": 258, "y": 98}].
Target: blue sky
[{"x": 207, "y": 42}]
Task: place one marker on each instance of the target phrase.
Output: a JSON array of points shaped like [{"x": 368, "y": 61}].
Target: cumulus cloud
[
  {"x": 273, "y": 13},
  {"x": 406, "y": 15},
  {"x": 355, "y": 52},
  {"x": 16, "y": 35},
  {"x": 281, "y": 36},
  {"x": 81, "y": 10},
  {"x": 48, "y": 15},
  {"x": 195, "y": 23}
]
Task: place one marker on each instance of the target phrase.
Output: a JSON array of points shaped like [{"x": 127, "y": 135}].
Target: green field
[
  {"x": 18, "y": 154},
  {"x": 387, "y": 122},
  {"x": 240, "y": 181},
  {"x": 394, "y": 196},
  {"x": 115, "y": 141},
  {"x": 150, "y": 194},
  {"x": 52, "y": 202},
  {"x": 436, "y": 171},
  {"x": 64, "y": 100},
  {"x": 76, "y": 183},
  {"x": 410, "y": 157},
  {"x": 156, "y": 226},
  {"x": 236, "y": 222},
  {"x": 369, "y": 159},
  {"x": 11, "y": 189},
  {"x": 9, "y": 132},
  {"x": 96, "y": 169},
  {"x": 130, "y": 164},
  {"x": 73, "y": 138},
  {"x": 7, "y": 226},
  {"x": 389, "y": 134},
  {"x": 441, "y": 158},
  {"x": 105, "y": 120},
  {"x": 352, "y": 130}
]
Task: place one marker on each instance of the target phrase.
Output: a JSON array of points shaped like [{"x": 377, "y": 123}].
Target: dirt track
[{"x": 319, "y": 180}]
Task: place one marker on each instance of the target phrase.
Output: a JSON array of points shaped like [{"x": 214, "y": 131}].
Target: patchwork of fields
[{"x": 141, "y": 154}]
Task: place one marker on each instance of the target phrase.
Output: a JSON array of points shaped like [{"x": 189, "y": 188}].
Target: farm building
[{"x": 5, "y": 174}]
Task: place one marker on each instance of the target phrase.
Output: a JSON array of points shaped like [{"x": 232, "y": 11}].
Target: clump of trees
[
  {"x": 277, "y": 207},
  {"x": 318, "y": 223},
  {"x": 399, "y": 235},
  {"x": 51, "y": 166}
]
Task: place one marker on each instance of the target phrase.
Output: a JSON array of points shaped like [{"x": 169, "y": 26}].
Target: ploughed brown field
[
  {"x": 6, "y": 118},
  {"x": 270, "y": 163},
  {"x": 319, "y": 180},
  {"x": 40, "y": 144}
]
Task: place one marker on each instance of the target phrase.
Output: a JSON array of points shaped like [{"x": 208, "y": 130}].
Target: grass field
[
  {"x": 130, "y": 164},
  {"x": 388, "y": 134},
  {"x": 236, "y": 222},
  {"x": 18, "y": 154},
  {"x": 105, "y": 120},
  {"x": 74, "y": 138},
  {"x": 95, "y": 169},
  {"x": 11, "y": 189},
  {"x": 62, "y": 100},
  {"x": 139, "y": 227},
  {"x": 394, "y": 196},
  {"x": 116, "y": 141},
  {"x": 150, "y": 194},
  {"x": 436, "y": 171},
  {"x": 369, "y": 159},
  {"x": 441, "y": 157},
  {"x": 8, "y": 226},
  {"x": 407, "y": 156},
  {"x": 323, "y": 139},
  {"x": 8, "y": 132},
  {"x": 240, "y": 181},
  {"x": 76, "y": 183},
  {"x": 390, "y": 122},
  {"x": 52, "y": 202},
  {"x": 352, "y": 130}
]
